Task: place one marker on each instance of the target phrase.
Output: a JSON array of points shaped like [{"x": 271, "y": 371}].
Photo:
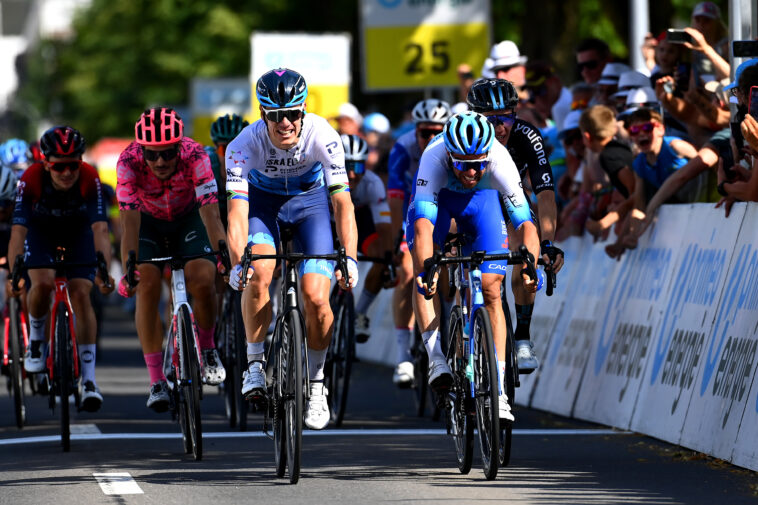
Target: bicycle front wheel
[
  {"x": 420, "y": 371},
  {"x": 291, "y": 370},
  {"x": 459, "y": 405},
  {"x": 341, "y": 353},
  {"x": 486, "y": 392},
  {"x": 190, "y": 380},
  {"x": 63, "y": 371},
  {"x": 16, "y": 368},
  {"x": 510, "y": 378}
]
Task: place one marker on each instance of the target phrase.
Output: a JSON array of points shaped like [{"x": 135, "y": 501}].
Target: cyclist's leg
[
  {"x": 524, "y": 305},
  {"x": 38, "y": 251},
  {"x": 402, "y": 312},
  {"x": 86, "y": 337}
]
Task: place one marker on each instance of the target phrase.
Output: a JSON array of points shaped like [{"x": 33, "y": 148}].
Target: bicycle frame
[
  {"x": 61, "y": 295},
  {"x": 6, "y": 333},
  {"x": 179, "y": 297}
]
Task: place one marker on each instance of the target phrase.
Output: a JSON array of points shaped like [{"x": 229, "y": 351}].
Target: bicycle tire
[
  {"x": 293, "y": 398},
  {"x": 420, "y": 371},
  {"x": 190, "y": 380},
  {"x": 277, "y": 401},
  {"x": 62, "y": 372},
  {"x": 341, "y": 353},
  {"x": 460, "y": 405},
  {"x": 510, "y": 377},
  {"x": 16, "y": 366},
  {"x": 486, "y": 392},
  {"x": 240, "y": 356},
  {"x": 226, "y": 346}
]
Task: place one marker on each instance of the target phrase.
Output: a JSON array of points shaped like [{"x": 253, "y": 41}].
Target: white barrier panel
[
  {"x": 676, "y": 350},
  {"x": 381, "y": 346},
  {"x": 725, "y": 376}
]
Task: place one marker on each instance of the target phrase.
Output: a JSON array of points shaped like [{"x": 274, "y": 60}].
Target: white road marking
[
  {"x": 326, "y": 433},
  {"x": 117, "y": 483},
  {"x": 84, "y": 429}
]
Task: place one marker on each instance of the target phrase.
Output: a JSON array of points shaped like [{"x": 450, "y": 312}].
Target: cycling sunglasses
[
  {"x": 590, "y": 65},
  {"x": 635, "y": 129},
  {"x": 427, "y": 133},
  {"x": 276, "y": 115},
  {"x": 464, "y": 165},
  {"x": 504, "y": 119},
  {"x": 62, "y": 166},
  {"x": 356, "y": 166},
  {"x": 167, "y": 155}
]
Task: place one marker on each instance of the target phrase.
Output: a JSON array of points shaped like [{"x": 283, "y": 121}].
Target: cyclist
[
  {"x": 15, "y": 154},
  {"x": 372, "y": 216},
  {"x": 8, "y": 183},
  {"x": 497, "y": 100},
  {"x": 60, "y": 203},
  {"x": 168, "y": 201},
  {"x": 429, "y": 117},
  {"x": 223, "y": 131},
  {"x": 460, "y": 175},
  {"x": 277, "y": 171}
]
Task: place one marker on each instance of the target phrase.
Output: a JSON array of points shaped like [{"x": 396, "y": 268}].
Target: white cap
[
  {"x": 571, "y": 122},
  {"x": 487, "y": 72},
  {"x": 639, "y": 98},
  {"x": 506, "y": 54},
  {"x": 376, "y": 122},
  {"x": 349, "y": 110},
  {"x": 629, "y": 81},
  {"x": 612, "y": 72}
]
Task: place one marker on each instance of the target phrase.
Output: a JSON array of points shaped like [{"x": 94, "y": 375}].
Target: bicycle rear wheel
[
  {"x": 190, "y": 382},
  {"x": 486, "y": 392},
  {"x": 226, "y": 346},
  {"x": 341, "y": 353},
  {"x": 459, "y": 406},
  {"x": 510, "y": 378},
  {"x": 420, "y": 371},
  {"x": 63, "y": 371},
  {"x": 16, "y": 367},
  {"x": 240, "y": 356}
]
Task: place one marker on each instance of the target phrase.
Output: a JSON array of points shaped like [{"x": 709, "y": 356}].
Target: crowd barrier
[{"x": 662, "y": 342}]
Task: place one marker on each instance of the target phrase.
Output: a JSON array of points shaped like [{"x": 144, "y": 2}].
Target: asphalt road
[{"x": 382, "y": 454}]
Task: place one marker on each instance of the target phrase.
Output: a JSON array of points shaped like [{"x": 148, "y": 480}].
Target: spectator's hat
[
  {"x": 631, "y": 80},
  {"x": 640, "y": 98},
  {"x": 351, "y": 111},
  {"x": 537, "y": 72},
  {"x": 707, "y": 9},
  {"x": 376, "y": 122},
  {"x": 612, "y": 72},
  {"x": 571, "y": 122},
  {"x": 738, "y": 72},
  {"x": 506, "y": 54},
  {"x": 487, "y": 72}
]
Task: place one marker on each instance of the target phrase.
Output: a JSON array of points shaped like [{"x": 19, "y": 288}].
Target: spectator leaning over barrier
[
  {"x": 550, "y": 97},
  {"x": 591, "y": 56}
]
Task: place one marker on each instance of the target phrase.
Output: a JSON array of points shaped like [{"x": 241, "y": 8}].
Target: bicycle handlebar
[
  {"x": 388, "y": 261},
  {"x": 248, "y": 257},
  {"x": 59, "y": 263}
]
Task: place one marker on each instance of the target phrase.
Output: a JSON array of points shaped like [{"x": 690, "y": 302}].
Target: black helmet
[
  {"x": 280, "y": 88},
  {"x": 492, "y": 94},
  {"x": 225, "y": 128},
  {"x": 63, "y": 142}
]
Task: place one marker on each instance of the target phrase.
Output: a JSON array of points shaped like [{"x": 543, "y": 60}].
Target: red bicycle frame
[
  {"x": 61, "y": 295},
  {"x": 6, "y": 332}
]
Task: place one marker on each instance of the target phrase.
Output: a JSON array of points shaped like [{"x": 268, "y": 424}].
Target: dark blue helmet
[
  {"x": 487, "y": 95},
  {"x": 280, "y": 88}
]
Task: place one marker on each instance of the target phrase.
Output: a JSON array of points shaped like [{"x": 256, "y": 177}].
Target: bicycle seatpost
[{"x": 131, "y": 267}]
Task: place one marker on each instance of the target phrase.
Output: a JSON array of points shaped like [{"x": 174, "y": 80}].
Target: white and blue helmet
[{"x": 468, "y": 133}]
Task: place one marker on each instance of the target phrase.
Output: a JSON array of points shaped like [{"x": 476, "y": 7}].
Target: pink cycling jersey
[{"x": 192, "y": 182}]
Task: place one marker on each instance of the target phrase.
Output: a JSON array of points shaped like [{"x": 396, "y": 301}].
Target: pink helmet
[{"x": 159, "y": 126}]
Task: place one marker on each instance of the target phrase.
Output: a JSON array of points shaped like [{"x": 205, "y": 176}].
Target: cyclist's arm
[
  {"x": 130, "y": 223},
  {"x": 16, "y": 243},
  {"x": 212, "y": 222},
  {"x": 237, "y": 204},
  {"x": 344, "y": 217},
  {"x": 422, "y": 211},
  {"x": 237, "y": 228}
]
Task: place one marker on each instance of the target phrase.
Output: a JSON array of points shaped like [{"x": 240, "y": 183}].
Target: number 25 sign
[{"x": 412, "y": 44}]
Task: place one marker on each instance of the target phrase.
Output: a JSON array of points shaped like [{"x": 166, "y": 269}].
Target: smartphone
[
  {"x": 753, "y": 104},
  {"x": 745, "y": 48},
  {"x": 677, "y": 36}
]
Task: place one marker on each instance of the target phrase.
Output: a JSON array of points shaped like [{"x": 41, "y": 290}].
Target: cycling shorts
[
  {"x": 184, "y": 236},
  {"x": 478, "y": 217},
  {"x": 307, "y": 214},
  {"x": 40, "y": 248}
]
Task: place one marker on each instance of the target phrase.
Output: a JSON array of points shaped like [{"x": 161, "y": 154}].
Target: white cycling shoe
[
  {"x": 404, "y": 374},
  {"x": 317, "y": 411},
  {"x": 35, "y": 358},
  {"x": 214, "y": 372},
  {"x": 440, "y": 376},
  {"x": 254, "y": 381},
  {"x": 527, "y": 360},
  {"x": 504, "y": 408}
]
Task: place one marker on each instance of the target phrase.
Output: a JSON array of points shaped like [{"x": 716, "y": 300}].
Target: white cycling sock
[
  {"x": 87, "y": 356},
  {"x": 316, "y": 361},
  {"x": 432, "y": 344},
  {"x": 37, "y": 325},
  {"x": 255, "y": 351},
  {"x": 501, "y": 375},
  {"x": 364, "y": 302},
  {"x": 403, "y": 337}
]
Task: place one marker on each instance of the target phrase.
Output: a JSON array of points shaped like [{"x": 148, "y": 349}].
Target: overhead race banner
[
  {"x": 415, "y": 44},
  {"x": 323, "y": 60}
]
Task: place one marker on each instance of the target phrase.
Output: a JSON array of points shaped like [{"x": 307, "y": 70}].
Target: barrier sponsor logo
[
  {"x": 573, "y": 353},
  {"x": 628, "y": 353},
  {"x": 680, "y": 367},
  {"x": 735, "y": 372}
]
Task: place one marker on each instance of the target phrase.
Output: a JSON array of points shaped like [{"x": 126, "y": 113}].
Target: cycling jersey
[
  {"x": 530, "y": 154},
  {"x": 370, "y": 193},
  {"x": 192, "y": 183},
  {"x": 220, "y": 182},
  {"x": 403, "y": 165},
  {"x": 317, "y": 159}
]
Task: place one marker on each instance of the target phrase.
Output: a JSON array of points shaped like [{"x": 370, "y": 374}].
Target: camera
[
  {"x": 678, "y": 36},
  {"x": 745, "y": 48}
]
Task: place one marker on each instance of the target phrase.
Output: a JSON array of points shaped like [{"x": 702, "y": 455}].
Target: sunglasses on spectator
[
  {"x": 590, "y": 65},
  {"x": 355, "y": 166},
  {"x": 464, "y": 165},
  {"x": 277, "y": 115},
  {"x": 504, "y": 119},
  {"x": 635, "y": 129},
  {"x": 167, "y": 154},
  {"x": 62, "y": 166},
  {"x": 427, "y": 133}
]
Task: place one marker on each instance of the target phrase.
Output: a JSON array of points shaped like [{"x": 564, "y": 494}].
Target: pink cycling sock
[
  {"x": 206, "y": 338},
  {"x": 154, "y": 362}
]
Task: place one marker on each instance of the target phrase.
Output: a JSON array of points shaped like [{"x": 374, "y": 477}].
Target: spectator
[
  {"x": 671, "y": 60},
  {"x": 581, "y": 95},
  {"x": 377, "y": 128},
  {"x": 349, "y": 120},
  {"x": 571, "y": 137},
  {"x": 628, "y": 81},
  {"x": 508, "y": 64},
  {"x": 591, "y": 56},
  {"x": 710, "y": 44},
  {"x": 550, "y": 97},
  {"x": 608, "y": 83}
]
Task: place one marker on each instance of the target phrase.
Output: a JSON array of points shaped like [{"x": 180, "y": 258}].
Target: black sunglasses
[
  {"x": 504, "y": 119},
  {"x": 426, "y": 133},
  {"x": 168, "y": 154},
  {"x": 277, "y": 115},
  {"x": 590, "y": 65},
  {"x": 62, "y": 166}
]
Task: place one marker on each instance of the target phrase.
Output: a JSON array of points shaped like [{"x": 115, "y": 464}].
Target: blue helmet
[
  {"x": 492, "y": 94},
  {"x": 468, "y": 133},
  {"x": 280, "y": 88},
  {"x": 15, "y": 153},
  {"x": 8, "y": 183}
]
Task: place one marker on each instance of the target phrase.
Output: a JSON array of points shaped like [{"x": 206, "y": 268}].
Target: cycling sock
[
  {"x": 524, "y": 319},
  {"x": 432, "y": 344},
  {"x": 154, "y": 362},
  {"x": 254, "y": 352},
  {"x": 403, "y": 337},
  {"x": 37, "y": 325},
  {"x": 364, "y": 302},
  {"x": 87, "y": 360},
  {"x": 316, "y": 361},
  {"x": 206, "y": 338},
  {"x": 501, "y": 375}
]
